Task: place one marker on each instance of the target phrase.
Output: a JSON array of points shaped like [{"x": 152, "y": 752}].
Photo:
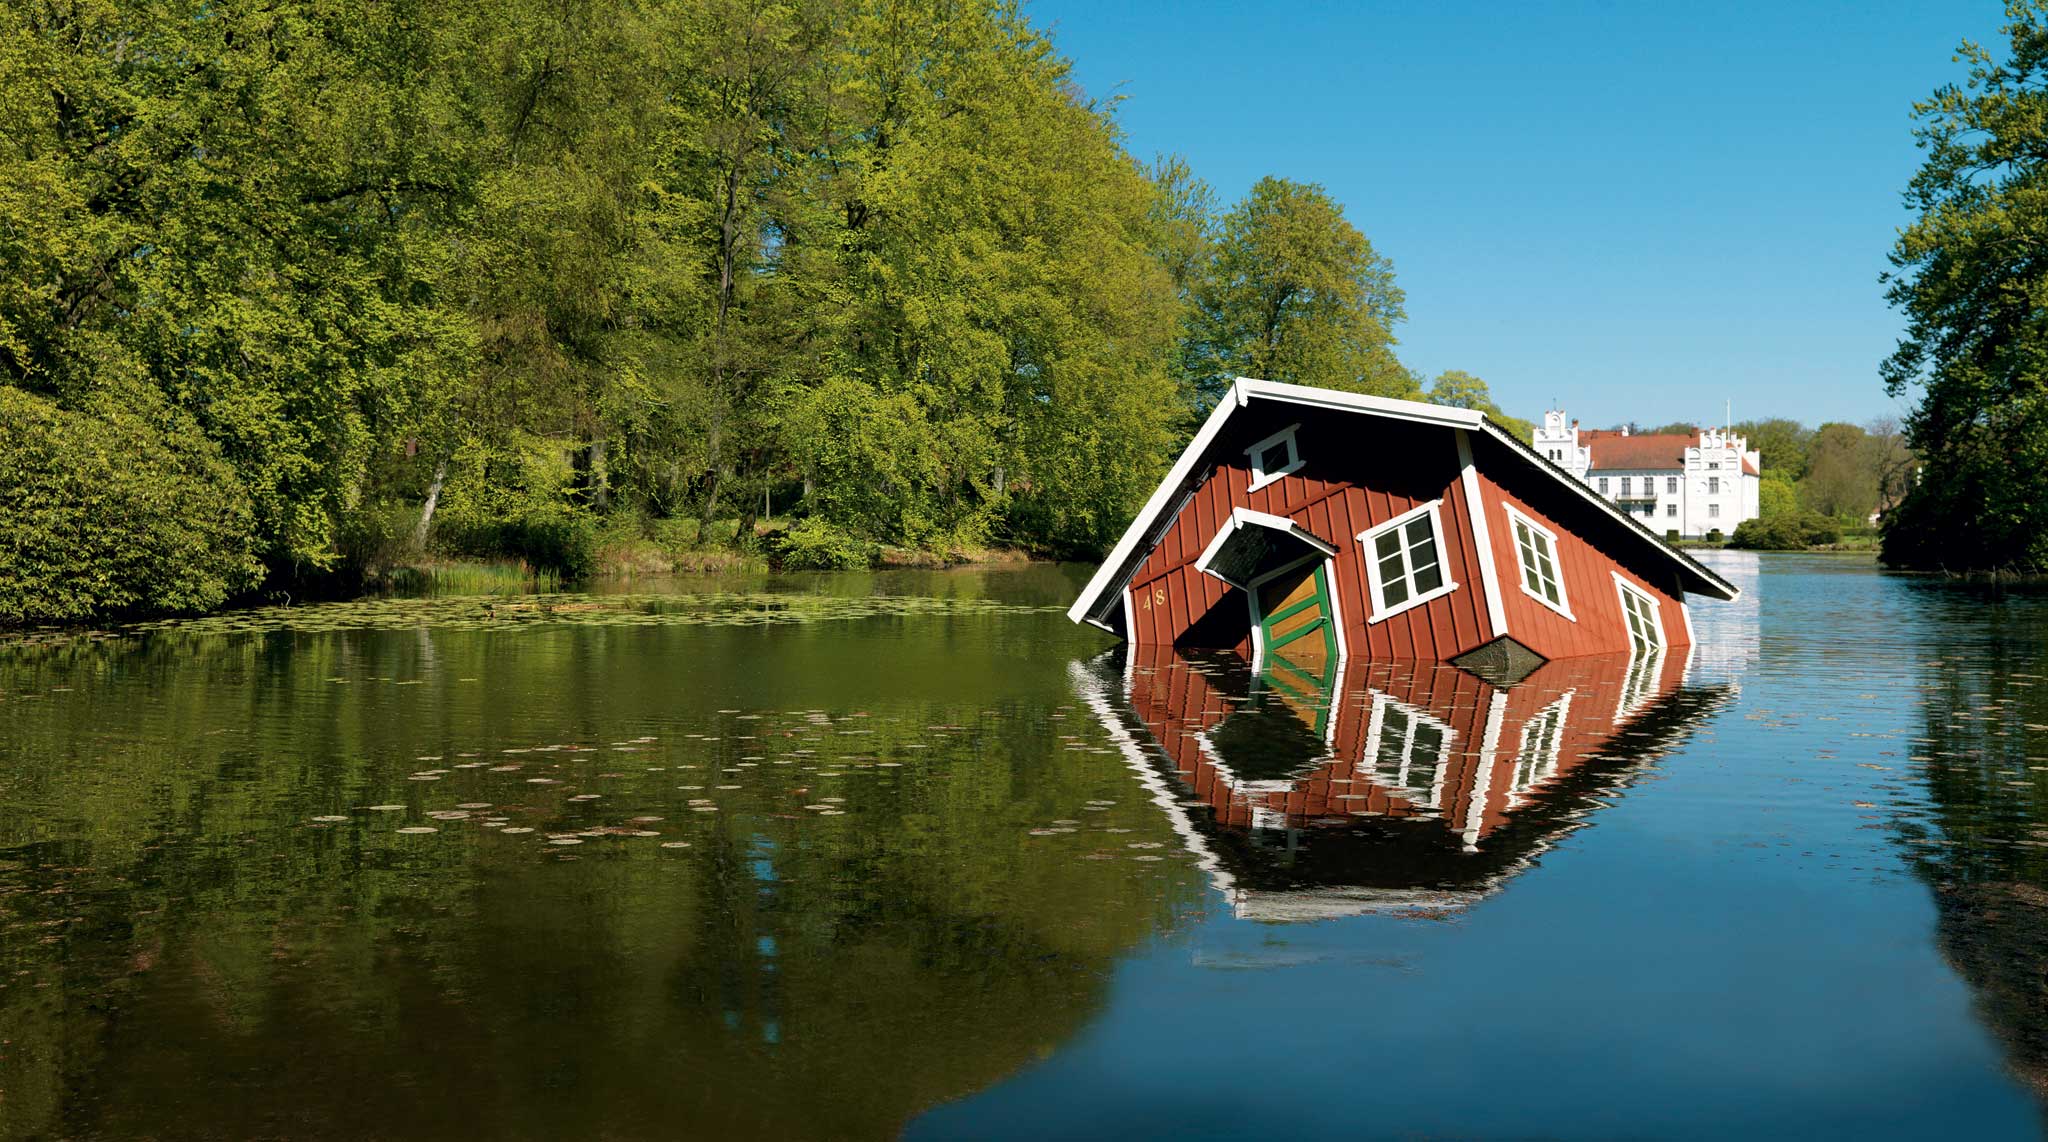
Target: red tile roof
[{"x": 1613, "y": 450}]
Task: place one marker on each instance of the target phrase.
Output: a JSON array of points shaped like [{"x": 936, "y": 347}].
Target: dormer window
[{"x": 1274, "y": 457}]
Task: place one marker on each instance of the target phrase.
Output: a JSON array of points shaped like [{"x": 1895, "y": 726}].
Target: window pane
[
  {"x": 1428, "y": 579},
  {"x": 1393, "y": 590},
  {"x": 1418, "y": 530},
  {"x": 1273, "y": 458},
  {"x": 1386, "y": 544}
]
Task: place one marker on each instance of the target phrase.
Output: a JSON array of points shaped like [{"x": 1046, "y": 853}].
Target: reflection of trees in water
[
  {"x": 181, "y": 954},
  {"x": 1983, "y": 847}
]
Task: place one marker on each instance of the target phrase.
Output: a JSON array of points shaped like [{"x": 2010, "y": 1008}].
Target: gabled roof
[
  {"x": 1654, "y": 452},
  {"x": 1621, "y": 450},
  {"x": 1157, "y": 514}
]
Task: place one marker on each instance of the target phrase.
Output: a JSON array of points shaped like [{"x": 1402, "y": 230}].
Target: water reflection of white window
[
  {"x": 1640, "y": 684},
  {"x": 1542, "y": 744},
  {"x": 1409, "y": 751}
]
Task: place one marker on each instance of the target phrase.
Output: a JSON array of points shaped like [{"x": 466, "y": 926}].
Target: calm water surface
[{"x": 864, "y": 856}]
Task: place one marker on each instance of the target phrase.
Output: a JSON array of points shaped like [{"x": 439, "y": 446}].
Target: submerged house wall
[{"x": 1356, "y": 473}]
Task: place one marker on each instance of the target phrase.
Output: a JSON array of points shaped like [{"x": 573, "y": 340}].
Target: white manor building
[{"x": 1693, "y": 484}]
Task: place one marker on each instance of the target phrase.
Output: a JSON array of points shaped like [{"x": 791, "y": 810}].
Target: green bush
[
  {"x": 677, "y": 534},
  {"x": 103, "y": 513},
  {"x": 815, "y": 545},
  {"x": 1671, "y": 535},
  {"x": 1714, "y": 535},
  {"x": 519, "y": 503},
  {"x": 1793, "y": 532},
  {"x": 375, "y": 538}
]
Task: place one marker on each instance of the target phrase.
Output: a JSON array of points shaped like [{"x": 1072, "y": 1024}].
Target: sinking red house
[{"x": 1315, "y": 524}]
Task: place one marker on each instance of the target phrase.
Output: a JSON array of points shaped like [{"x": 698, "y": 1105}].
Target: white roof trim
[
  {"x": 1239, "y": 517},
  {"x": 1113, "y": 574}
]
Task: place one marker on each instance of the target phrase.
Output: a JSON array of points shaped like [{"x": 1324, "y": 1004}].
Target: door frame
[{"x": 1328, "y": 573}]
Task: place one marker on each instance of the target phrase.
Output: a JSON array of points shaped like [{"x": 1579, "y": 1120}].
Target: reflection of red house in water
[
  {"x": 1324, "y": 525},
  {"x": 1396, "y": 784}
]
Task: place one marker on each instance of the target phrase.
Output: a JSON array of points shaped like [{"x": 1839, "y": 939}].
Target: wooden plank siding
[
  {"x": 1585, "y": 571},
  {"x": 1357, "y": 473}
]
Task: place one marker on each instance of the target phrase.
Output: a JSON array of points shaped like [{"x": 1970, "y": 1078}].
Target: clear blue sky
[{"x": 1639, "y": 209}]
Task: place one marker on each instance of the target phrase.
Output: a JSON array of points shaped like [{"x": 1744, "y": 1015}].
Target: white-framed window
[
  {"x": 1670, "y": 511},
  {"x": 1671, "y": 485},
  {"x": 1408, "y": 751},
  {"x": 1713, "y": 465},
  {"x": 1640, "y": 611},
  {"x": 1603, "y": 485},
  {"x": 1404, "y": 561},
  {"x": 1536, "y": 555},
  {"x": 1624, "y": 485},
  {"x": 1713, "y": 485},
  {"x": 1274, "y": 457},
  {"x": 1714, "y": 511}
]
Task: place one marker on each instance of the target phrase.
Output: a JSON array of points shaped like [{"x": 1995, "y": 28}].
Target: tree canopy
[
  {"x": 1969, "y": 279},
  {"x": 509, "y": 278},
  {"x": 1294, "y": 292}
]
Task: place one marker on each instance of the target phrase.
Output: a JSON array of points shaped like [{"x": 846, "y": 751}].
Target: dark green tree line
[{"x": 505, "y": 278}]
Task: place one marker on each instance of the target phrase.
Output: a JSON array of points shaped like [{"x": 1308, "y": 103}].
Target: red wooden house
[{"x": 1316, "y": 524}]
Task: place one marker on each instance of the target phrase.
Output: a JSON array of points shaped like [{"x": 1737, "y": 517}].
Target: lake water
[{"x": 909, "y": 854}]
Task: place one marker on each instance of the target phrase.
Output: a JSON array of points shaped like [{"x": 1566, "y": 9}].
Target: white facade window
[
  {"x": 1536, "y": 555},
  {"x": 1670, "y": 511},
  {"x": 1408, "y": 751},
  {"x": 1671, "y": 485},
  {"x": 1274, "y": 457},
  {"x": 1404, "y": 561},
  {"x": 1645, "y": 630},
  {"x": 1624, "y": 485},
  {"x": 1713, "y": 511},
  {"x": 1713, "y": 485},
  {"x": 1603, "y": 485}
]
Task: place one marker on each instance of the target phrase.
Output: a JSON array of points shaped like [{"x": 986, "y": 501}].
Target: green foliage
[
  {"x": 471, "y": 277},
  {"x": 815, "y": 545},
  {"x": 1792, "y": 531},
  {"x": 1775, "y": 497},
  {"x": 1457, "y": 389},
  {"x": 1296, "y": 293},
  {"x": 522, "y": 502},
  {"x": 1971, "y": 284},
  {"x": 105, "y": 514},
  {"x": 1841, "y": 479},
  {"x": 1783, "y": 444}
]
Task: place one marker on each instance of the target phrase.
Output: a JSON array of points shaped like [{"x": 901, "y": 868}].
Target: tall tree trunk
[
  {"x": 600, "y": 477},
  {"x": 419, "y": 534}
]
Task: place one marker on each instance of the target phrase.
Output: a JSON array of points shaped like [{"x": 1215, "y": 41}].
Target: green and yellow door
[{"x": 1297, "y": 624}]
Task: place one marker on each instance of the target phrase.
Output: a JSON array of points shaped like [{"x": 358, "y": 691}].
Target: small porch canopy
[{"x": 1253, "y": 545}]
